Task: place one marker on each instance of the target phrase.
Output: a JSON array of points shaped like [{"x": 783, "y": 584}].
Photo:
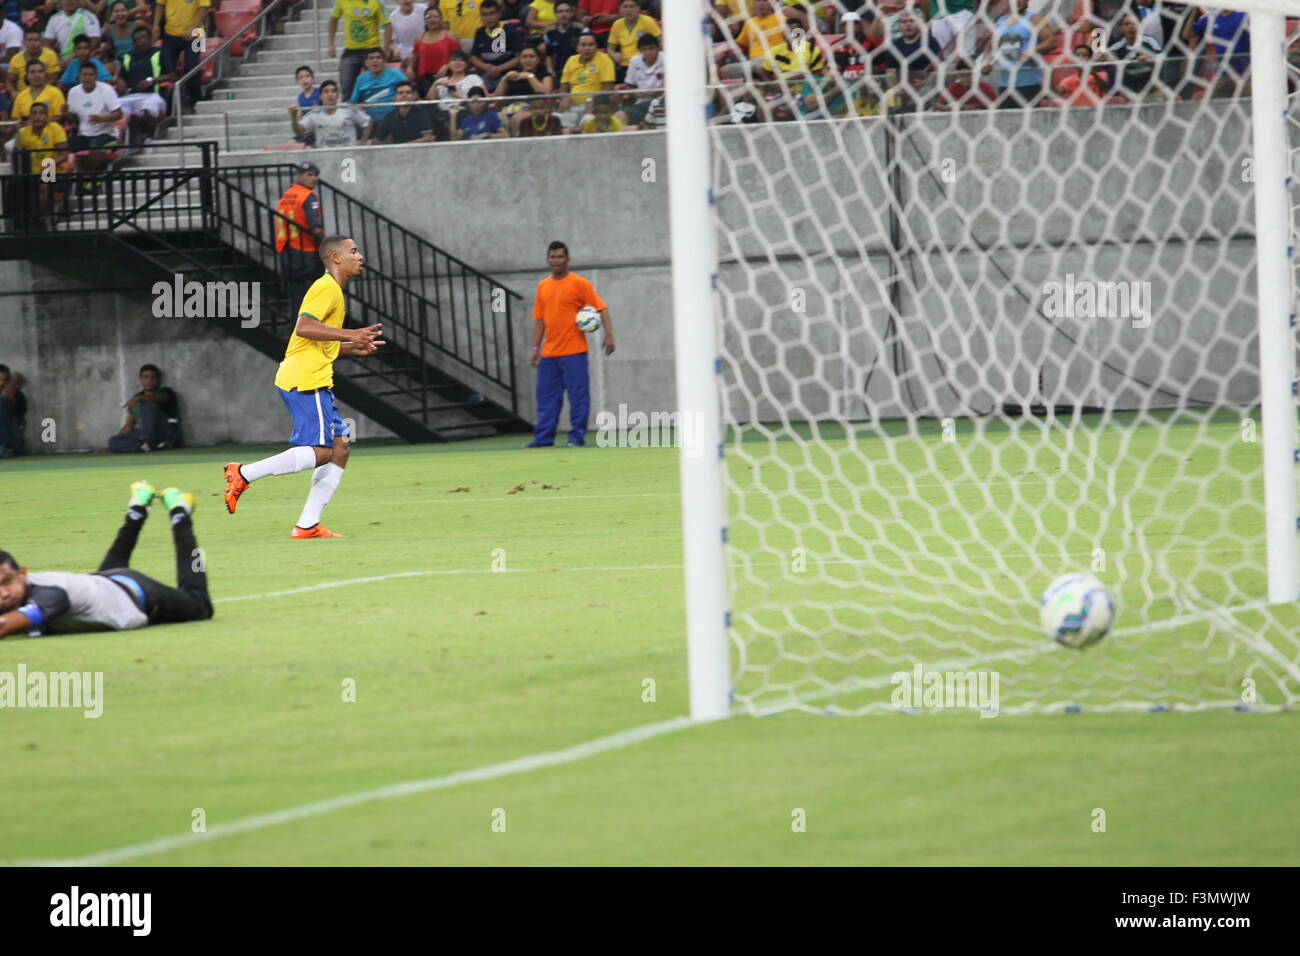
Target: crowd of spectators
[{"x": 85, "y": 76}]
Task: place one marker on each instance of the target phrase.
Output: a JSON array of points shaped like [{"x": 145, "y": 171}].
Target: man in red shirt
[
  {"x": 598, "y": 16},
  {"x": 560, "y": 349}
]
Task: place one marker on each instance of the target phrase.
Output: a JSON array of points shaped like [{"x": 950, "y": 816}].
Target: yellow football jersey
[{"x": 307, "y": 363}]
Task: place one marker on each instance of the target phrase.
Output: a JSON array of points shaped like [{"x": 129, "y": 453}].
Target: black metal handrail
[{"x": 395, "y": 287}]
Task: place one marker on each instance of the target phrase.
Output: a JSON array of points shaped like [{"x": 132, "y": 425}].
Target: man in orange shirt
[{"x": 560, "y": 349}]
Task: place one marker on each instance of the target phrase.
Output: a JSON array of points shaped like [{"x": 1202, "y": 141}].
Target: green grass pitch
[{"x": 491, "y": 604}]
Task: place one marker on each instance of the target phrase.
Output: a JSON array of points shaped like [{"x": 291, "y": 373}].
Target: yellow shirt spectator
[
  {"x": 624, "y": 38},
  {"x": 52, "y": 96},
  {"x": 50, "y": 138},
  {"x": 613, "y": 125},
  {"x": 545, "y": 15},
  {"x": 806, "y": 57},
  {"x": 590, "y": 77},
  {"x": 463, "y": 17},
  {"x": 182, "y": 16},
  {"x": 362, "y": 22},
  {"x": 761, "y": 34},
  {"x": 18, "y": 66}
]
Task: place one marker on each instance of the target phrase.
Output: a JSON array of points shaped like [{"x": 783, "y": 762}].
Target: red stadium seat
[{"x": 233, "y": 22}]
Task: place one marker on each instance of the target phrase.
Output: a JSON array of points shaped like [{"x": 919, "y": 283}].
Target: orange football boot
[
  {"x": 235, "y": 486},
  {"x": 317, "y": 531}
]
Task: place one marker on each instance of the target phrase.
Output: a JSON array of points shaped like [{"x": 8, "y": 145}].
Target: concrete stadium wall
[{"x": 1160, "y": 199}]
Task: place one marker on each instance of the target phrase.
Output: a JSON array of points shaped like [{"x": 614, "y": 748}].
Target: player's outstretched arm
[{"x": 310, "y": 328}]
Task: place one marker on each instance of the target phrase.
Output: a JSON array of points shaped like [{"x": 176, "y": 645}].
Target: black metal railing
[{"x": 433, "y": 305}]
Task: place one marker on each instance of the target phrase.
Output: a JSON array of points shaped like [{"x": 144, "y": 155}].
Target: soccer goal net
[{"x": 985, "y": 311}]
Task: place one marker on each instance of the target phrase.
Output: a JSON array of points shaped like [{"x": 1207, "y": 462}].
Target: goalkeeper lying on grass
[{"x": 114, "y": 598}]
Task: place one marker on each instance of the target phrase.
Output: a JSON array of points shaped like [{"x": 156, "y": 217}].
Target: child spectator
[
  {"x": 561, "y": 41},
  {"x": 496, "y": 46},
  {"x": 331, "y": 124},
  {"x": 476, "y": 121},
  {"x": 81, "y": 57},
  {"x": 408, "y": 23},
  {"x": 644, "y": 72},
  {"x": 431, "y": 52},
  {"x": 602, "y": 118},
  {"x": 538, "y": 121},
  {"x": 377, "y": 85},
  {"x": 1086, "y": 86}
]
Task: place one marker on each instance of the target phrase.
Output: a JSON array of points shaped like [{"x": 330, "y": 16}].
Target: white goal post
[{"x": 899, "y": 443}]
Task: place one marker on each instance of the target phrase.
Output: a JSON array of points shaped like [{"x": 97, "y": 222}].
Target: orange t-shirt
[{"x": 557, "y": 305}]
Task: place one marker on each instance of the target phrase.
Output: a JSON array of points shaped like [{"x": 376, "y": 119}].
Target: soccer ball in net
[
  {"x": 1077, "y": 610},
  {"x": 588, "y": 319}
]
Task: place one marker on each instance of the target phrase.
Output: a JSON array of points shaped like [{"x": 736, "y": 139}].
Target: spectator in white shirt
[
  {"x": 334, "y": 125},
  {"x": 96, "y": 108},
  {"x": 408, "y": 23},
  {"x": 645, "y": 71},
  {"x": 68, "y": 24}
]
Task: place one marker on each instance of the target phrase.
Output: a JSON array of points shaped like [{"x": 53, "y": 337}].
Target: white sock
[
  {"x": 324, "y": 480},
  {"x": 297, "y": 458}
]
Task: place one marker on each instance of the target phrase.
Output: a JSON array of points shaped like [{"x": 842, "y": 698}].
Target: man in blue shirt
[
  {"x": 1228, "y": 34},
  {"x": 477, "y": 121},
  {"x": 81, "y": 55},
  {"x": 377, "y": 85}
]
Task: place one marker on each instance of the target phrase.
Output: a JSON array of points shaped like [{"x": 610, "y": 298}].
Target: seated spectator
[
  {"x": 561, "y": 41},
  {"x": 598, "y": 17},
  {"x": 11, "y": 40},
  {"x": 407, "y": 19},
  {"x": 645, "y": 71},
  {"x": 118, "y": 39},
  {"x": 913, "y": 54},
  {"x": 153, "y": 417},
  {"x": 71, "y": 76},
  {"x": 735, "y": 106},
  {"x": 409, "y": 122},
  {"x": 884, "y": 20},
  {"x": 852, "y": 54},
  {"x": 539, "y": 16},
  {"x": 965, "y": 92},
  {"x": 308, "y": 99},
  {"x": 463, "y": 17},
  {"x": 38, "y": 91},
  {"x": 476, "y": 121},
  {"x": 1137, "y": 54},
  {"x": 43, "y": 140},
  {"x": 538, "y": 121},
  {"x": 626, "y": 33},
  {"x": 1020, "y": 38},
  {"x": 792, "y": 60},
  {"x": 1227, "y": 34},
  {"x": 378, "y": 84},
  {"x": 33, "y": 51},
  {"x": 602, "y": 118},
  {"x": 588, "y": 71},
  {"x": 432, "y": 49},
  {"x": 95, "y": 107},
  {"x": 496, "y": 46},
  {"x": 139, "y": 85},
  {"x": 13, "y": 413},
  {"x": 62, "y": 29},
  {"x": 761, "y": 32},
  {"x": 333, "y": 125},
  {"x": 530, "y": 79},
  {"x": 455, "y": 81}
]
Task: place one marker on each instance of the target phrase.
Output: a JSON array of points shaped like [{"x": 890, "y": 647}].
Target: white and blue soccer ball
[
  {"x": 1077, "y": 610},
  {"x": 588, "y": 319}
]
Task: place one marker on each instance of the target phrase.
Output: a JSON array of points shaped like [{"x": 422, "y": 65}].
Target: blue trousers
[{"x": 555, "y": 376}]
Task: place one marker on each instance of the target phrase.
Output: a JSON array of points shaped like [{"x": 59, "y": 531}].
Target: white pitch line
[{"x": 582, "y": 751}]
